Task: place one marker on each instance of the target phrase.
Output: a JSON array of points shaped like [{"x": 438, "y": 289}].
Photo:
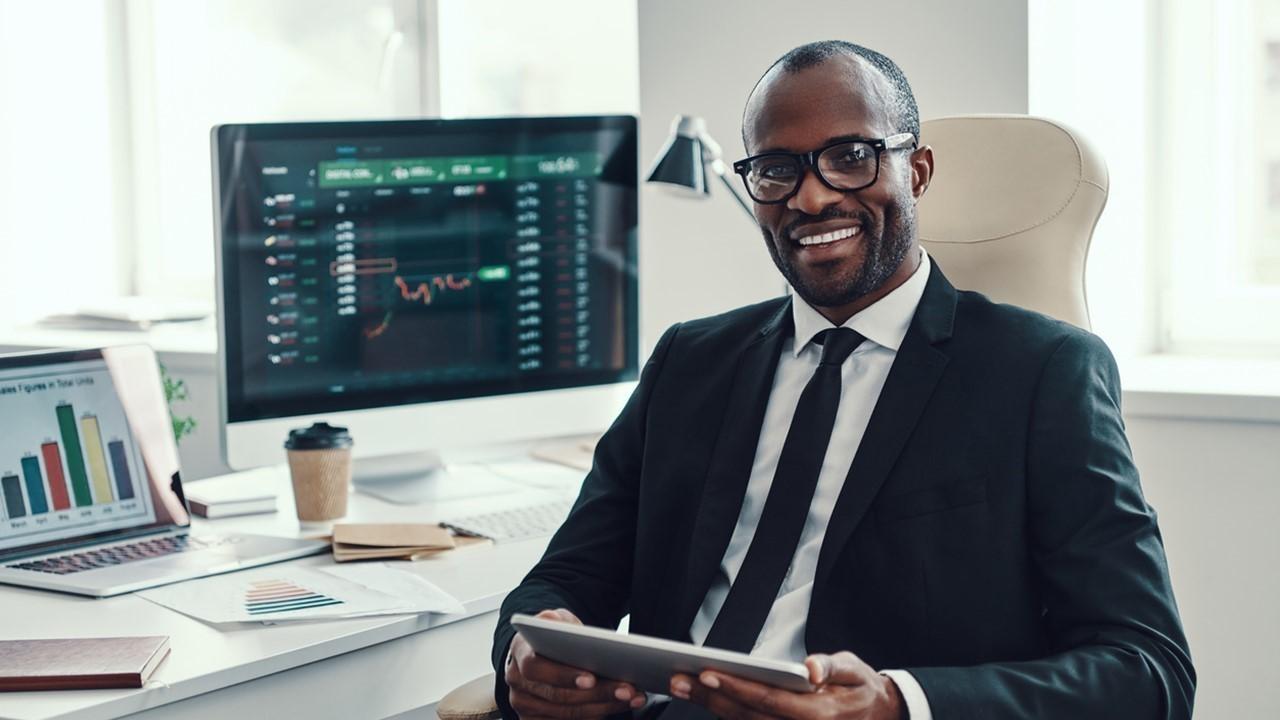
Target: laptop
[{"x": 90, "y": 488}]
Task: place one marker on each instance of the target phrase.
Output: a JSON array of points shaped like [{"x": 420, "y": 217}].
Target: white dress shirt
[{"x": 863, "y": 374}]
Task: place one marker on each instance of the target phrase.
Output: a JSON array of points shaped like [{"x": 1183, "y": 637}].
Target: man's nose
[{"x": 813, "y": 196}]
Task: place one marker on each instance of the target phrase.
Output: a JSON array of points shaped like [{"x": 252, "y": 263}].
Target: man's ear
[{"x": 921, "y": 170}]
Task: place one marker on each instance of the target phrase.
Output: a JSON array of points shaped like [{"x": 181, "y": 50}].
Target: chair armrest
[{"x": 472, "y": 701}]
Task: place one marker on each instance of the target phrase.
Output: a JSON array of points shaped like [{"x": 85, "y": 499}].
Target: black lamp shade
[{"x": 680, "y": 164}]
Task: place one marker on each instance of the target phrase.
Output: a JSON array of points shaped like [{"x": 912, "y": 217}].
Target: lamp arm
[{"x": 717, "y": 167}]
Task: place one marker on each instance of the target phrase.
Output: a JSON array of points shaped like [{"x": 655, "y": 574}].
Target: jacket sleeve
[
  {"x": 587, "y": 566},
  {"x": 1118, "y": 646}
]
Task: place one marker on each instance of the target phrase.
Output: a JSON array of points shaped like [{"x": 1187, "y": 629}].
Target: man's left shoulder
[{"x": 1010, "y": 331}]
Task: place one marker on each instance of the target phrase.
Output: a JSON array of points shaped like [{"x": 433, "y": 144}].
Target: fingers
[
  {"x": 769, "y": 700},
  {"x": 718, "y": 703},
  {"x": 560, "y": 614},
  {"x": 536, "y": 668},
  {"x": 540, "y": 687},
  {"x": 529, "y": 705},
  {"x": 842, "y": 668},
  {"x": 559, "y": 683}
]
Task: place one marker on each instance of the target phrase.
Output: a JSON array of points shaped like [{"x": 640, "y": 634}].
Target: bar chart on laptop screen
[{"x": 67, "y": 458}]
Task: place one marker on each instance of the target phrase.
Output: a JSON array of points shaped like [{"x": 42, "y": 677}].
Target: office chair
[
  {"x": 1010, "y": 213},
  {"x": 1011, "y": 209}
]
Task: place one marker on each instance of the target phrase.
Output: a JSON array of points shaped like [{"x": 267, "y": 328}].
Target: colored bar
[
  {"x": 35, "y": 484},
  {"x": 57, "y": 481},
  {"x": 97, "y": 459},
  {"x": 124, "y": 481},
  {"x": 13, "y": 496},
  {"x": 75, "y": 456}
]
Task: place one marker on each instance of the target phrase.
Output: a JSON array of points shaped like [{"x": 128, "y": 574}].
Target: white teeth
[{"x": 830, "y": 237}]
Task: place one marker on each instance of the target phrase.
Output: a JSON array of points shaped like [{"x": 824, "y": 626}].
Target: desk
[{"x": 359, "y": 668}]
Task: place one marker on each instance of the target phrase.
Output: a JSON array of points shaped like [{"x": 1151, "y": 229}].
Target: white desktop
[{"x": 387, "y": 666}]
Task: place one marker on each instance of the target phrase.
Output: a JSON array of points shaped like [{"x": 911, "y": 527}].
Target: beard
[{"x": 884, "y": 249}]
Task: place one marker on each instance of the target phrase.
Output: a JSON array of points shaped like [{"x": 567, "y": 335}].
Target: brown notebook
[
  {"x": 80, "y": 663},
  {"x": 409, "y": 541}
]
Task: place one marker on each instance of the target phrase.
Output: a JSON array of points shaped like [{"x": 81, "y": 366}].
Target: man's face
[{"x": 835, "y": 247}]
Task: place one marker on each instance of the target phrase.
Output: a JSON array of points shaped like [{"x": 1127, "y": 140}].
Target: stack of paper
[
  {"x": 281, "y": 592},
  {"x": 408, "y": 541}
]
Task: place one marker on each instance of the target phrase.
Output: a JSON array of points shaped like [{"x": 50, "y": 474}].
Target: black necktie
[{"x": 777, "y": 535}]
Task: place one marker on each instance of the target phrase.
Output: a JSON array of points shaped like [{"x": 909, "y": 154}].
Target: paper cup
[{"x": 320, "y": 467}]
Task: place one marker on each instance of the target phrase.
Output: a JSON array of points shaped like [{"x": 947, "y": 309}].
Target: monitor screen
[{"x": 370, "y": 264}]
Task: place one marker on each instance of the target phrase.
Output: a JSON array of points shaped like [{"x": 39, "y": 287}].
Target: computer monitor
[{"x": 431, "y": 284}]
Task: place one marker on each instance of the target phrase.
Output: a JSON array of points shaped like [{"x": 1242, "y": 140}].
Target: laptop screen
[{"x": 86, "y": 449}]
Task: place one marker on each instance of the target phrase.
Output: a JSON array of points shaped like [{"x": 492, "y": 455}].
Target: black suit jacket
[{"x": 991, "y": 536}]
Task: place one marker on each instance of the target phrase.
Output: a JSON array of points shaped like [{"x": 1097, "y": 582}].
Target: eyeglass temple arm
[
  {"x": 711, "y": 158},
  {"x": 718, "y": 168}
]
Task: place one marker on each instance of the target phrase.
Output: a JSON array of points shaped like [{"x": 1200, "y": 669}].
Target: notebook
[
  {"x": 80, "y": 663},
  {"x": 407, "y": 541},
  {"x": 246, "y": 494}
]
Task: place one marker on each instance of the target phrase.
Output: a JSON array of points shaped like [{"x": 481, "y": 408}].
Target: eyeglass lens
[{"x": 847, "y": 166}]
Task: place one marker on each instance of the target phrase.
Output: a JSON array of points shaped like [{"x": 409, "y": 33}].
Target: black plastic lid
[{"x": 320, "y": 436}]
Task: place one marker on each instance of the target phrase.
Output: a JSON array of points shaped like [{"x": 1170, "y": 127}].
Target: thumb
[
  {"x": 561, "y": 615},
  {"x": 842, "y": 668}
]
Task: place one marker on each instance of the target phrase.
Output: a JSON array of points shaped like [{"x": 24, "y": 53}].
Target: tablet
[{"x": 646, "y": 662}]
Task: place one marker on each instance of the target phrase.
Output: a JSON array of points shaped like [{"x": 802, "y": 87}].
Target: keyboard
[
  {"x": 522, "y": 523},
  {"x": 95, "y": 558}
]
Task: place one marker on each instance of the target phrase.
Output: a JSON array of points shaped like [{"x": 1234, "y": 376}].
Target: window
[
  {"x": 109, "y": 127},
  {"x": 1216, "y": 114},
  {"x": 551, "y": 57},
  {"x": 59, "y": 189},
  {"x": 1183, "y": 97},
  {"x": 196, "y": 63}
]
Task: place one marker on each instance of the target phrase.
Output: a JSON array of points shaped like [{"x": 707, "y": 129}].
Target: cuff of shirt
[{"x": 912, "y": 694}]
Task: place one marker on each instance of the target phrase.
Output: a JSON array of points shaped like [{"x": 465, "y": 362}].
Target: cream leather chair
[
  {"x": 1010, "y": 213},
  {"x": 473, "y": 701},
  {"x": 1011, "y": 209}
]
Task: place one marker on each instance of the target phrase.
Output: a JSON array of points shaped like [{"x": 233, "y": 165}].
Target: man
[{"x": 926, "y": 496}]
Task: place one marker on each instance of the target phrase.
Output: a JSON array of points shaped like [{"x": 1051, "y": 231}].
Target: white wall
[
  {"x": 1216, "y": 485},
  {"x": 702, "y": 58}
]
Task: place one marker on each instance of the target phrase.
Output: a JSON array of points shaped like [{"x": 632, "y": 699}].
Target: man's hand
[
  {"x": 847, "y": 688},
  {"x": 543, "y": 688}
]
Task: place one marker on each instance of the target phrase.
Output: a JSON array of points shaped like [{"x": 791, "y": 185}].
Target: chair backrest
[{"x": 1011, "y": 209}]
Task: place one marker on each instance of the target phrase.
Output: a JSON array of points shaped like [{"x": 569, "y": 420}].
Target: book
[
  {"x": 244, "y": 495},
  {"x": 80, "y": 663}
]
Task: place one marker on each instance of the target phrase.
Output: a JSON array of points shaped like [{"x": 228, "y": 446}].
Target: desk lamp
[{"x": 685, "y": 159}]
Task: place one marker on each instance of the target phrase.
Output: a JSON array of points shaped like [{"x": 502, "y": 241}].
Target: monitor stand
[{"x": 404, "y": 479}]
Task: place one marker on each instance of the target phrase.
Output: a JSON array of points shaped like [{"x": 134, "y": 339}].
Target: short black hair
[{"x": 905, "y": 113}]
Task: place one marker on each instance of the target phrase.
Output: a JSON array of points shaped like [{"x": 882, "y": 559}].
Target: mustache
[{"x": 862, "y": 216}]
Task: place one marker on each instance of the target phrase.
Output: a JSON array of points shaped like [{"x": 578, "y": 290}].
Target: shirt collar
[{"x": 884, "y": 322}]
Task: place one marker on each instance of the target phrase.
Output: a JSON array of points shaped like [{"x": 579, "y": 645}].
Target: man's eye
[
  {"x": 853, "y": 156},
  {"x": 777, "y": 171}
]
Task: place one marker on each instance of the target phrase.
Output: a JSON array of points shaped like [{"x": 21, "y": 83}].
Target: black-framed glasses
[{"x": 847, "y": 165}]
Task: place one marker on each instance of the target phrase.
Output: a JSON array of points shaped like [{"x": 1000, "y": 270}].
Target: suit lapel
[
  {"x": 731, "y": 462},
  {"x": 915, "y": 372}
]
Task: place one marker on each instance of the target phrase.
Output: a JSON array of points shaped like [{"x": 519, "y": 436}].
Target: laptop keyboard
[{"x": 118, "y": 554}]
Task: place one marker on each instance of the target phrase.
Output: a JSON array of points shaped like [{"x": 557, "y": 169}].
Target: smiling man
[{"x": 925, "y": 496}]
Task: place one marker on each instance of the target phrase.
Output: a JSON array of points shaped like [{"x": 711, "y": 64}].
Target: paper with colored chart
[{"x": 276, "y": 594}]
